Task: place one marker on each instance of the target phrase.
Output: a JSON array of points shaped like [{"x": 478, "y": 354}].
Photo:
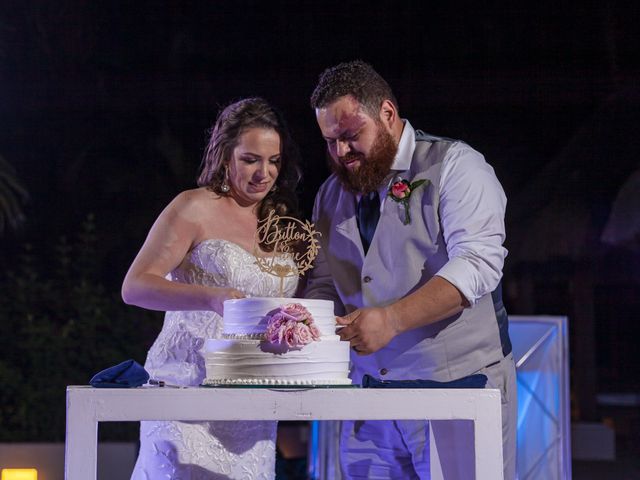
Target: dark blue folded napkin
[
  {"x": 124, "y": 375},
  {"x": 472, "y": 381}
]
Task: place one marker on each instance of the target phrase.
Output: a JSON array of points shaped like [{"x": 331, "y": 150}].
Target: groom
[{"x": 411, "y": 252}]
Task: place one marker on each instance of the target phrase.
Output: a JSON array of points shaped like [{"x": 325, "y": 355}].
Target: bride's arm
[{"x": 168, "y": 241}]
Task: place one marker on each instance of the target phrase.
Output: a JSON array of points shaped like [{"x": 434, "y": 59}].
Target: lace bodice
[
  {"x": 174, "y": 357},
  {"x": 221, "y": 263}
]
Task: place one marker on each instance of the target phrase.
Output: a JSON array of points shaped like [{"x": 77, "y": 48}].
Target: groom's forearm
[{"x": 434, "y": 301}]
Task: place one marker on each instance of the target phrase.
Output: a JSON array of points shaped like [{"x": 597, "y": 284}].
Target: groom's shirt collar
[{"x": 406, "y": 147}]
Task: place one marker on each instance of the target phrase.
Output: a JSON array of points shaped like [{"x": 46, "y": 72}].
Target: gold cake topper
[{"x": 292, "y": 244}]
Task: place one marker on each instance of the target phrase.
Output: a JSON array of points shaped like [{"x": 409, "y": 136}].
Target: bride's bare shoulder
[{"x": 195, "y": 199}]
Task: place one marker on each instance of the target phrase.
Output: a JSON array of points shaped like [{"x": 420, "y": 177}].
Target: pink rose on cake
[
  {"x": 296, "y": 311},
  {"x": 291, "y": 325},
  {"x": 304, "y": 334}
]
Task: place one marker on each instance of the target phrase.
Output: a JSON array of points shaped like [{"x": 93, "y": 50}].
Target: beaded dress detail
[{"x": 206, "y": 450}]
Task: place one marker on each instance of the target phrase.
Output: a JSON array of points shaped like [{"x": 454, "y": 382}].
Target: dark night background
[{"x": 104, "y": 108}]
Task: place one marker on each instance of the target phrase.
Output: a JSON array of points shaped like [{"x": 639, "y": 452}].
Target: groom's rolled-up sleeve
[{"x": 472, "y": 209}]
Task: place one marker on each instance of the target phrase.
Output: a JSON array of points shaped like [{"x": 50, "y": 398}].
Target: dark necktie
[{"x": 368, "y": 216}]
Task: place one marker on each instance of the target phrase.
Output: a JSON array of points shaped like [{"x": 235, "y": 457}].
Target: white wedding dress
[{"x": 206, "y": 450}]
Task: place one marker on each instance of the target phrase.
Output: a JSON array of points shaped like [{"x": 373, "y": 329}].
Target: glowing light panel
[{"x": 19, "y": 474}]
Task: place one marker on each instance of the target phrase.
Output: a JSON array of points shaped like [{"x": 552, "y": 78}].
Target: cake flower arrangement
[{"x": 291, "y": 326}]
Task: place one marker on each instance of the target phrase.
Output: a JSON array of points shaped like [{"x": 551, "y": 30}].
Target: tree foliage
[
  {"x": 12, "y": 197},
  {"x": 59, "y": 325}
]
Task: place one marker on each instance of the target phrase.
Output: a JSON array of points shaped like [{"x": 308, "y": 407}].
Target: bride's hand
[{"x": 222, "y": 294}]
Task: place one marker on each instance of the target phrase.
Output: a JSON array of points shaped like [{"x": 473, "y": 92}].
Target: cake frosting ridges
[
  {"x": 247, "y": 316},
  {"x": 243, "y": 357}
]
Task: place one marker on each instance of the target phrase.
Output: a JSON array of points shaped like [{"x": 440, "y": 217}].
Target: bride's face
[{"x": 254, "y": 165}]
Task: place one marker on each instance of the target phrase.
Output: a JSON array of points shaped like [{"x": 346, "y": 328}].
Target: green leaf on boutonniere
[{"x": 417, "y": 183}]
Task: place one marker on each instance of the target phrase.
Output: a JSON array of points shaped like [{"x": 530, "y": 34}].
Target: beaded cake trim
[
  {"x": 274, "y": 381},
  {"x": 243, "y": 336}
]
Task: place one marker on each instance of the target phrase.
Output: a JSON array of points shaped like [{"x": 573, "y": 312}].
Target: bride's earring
[
  {"x": 274, "y": 188},
  {"x": 224, "y": 187}
]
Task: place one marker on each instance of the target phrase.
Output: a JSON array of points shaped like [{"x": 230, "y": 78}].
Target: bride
[{"x": 198, "y": 254}]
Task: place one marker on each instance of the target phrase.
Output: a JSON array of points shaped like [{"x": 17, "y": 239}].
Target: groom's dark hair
[{"x": 356, "y": 78}]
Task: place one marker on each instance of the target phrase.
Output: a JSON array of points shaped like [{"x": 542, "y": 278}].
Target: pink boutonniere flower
[
  {"x": 401, "y": 191},
  {"x": 291, "y": 325}
]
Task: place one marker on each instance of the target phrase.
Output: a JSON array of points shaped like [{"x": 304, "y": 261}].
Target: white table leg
[
  {"x": 81, "y": 446},
  {"x": 488, "y": 438}
]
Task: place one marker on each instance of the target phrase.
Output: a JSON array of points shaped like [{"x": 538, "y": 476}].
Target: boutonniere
[{"x": 401, "y": 191}]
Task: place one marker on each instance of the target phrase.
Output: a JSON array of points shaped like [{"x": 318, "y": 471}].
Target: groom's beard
[{"x": 373, "y": 168}]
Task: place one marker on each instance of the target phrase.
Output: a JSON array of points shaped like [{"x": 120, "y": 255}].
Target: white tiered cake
[{"x": 250, "y": 354}]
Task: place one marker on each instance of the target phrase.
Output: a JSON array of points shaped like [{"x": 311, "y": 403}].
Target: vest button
[
  {"x": 367, "y": 279},
  {"x": 383, "y": 371}
]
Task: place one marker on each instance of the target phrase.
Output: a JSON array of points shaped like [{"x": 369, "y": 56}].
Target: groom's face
[{"x": 361, "y": 148}]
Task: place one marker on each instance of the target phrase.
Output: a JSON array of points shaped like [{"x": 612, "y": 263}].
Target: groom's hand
[{"x": 367, "y": 329}]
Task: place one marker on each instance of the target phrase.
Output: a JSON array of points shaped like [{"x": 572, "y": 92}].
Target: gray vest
[{"x": 402, "y": 258}]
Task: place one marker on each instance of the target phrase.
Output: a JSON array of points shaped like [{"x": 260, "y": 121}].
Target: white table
[{"x": 86, "y": 406}]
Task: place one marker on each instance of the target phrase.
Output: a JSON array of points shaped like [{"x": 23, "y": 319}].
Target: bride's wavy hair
[{"x": 232, "y": 122}]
